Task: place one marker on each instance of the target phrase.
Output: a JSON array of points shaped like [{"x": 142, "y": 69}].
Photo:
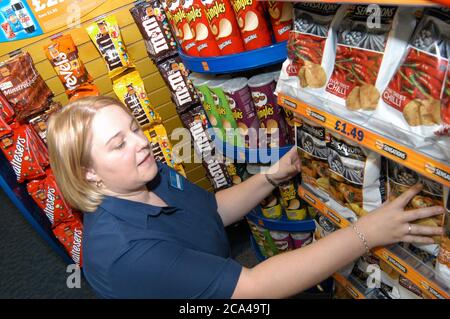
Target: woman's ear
[{"x": 90, "y": 175}]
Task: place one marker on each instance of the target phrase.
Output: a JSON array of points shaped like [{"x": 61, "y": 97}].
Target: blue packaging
[{"x": 12, "y": 19}]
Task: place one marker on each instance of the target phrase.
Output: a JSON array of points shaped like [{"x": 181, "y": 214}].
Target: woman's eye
[
  {"x": 136, "y": 129},
  {"x": 121, "y": 145}
]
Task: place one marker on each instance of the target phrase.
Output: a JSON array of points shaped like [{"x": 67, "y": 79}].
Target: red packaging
[
  {"x": 252, "y": 23},
  {"x": 222, "y": 21},
  {"x": 177, "y": 18},
  {"x": 48, "y": 197},
  {"x": 6, "y": 110},
  {"x": 5, "y": 129},
  {"x": 20, "y": 149},
  {"x": 281, "y": 19},
  {"x": 196, "y": 18},
  {"x": 39, "y": 123},
  {"x": 70, "y": 234}
]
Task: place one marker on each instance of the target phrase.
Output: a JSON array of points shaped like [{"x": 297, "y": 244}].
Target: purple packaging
[
  {"x": 262, "y": 87},
  {"x": 244, "y": 112},
  {"x": 282, "y": 240},
  {"x": 301, "y": 239}
]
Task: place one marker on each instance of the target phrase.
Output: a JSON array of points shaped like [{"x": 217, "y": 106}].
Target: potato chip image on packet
[
  {"x": 131, "y": 91},
  {"x": 105, "y": 34}
]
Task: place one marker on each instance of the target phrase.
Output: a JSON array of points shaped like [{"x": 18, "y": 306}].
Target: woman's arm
[
  {"x": 235, "y": 202},
  {"x": 292, "y": 272}
]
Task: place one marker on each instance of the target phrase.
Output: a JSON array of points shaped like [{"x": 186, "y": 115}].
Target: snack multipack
[
  {"x": 105, "y": 34},
  {"x": 131, "y": 91},
  {"x": 196, "y": 121},
  {"x": 6, "y": 110},
  {"x": 152, "y": 22},
  {"x": 63, "y": 56},
  {"x": 415, "y": 101},
  {"x": 48, "y": 197},
  {"x": 23, "y": 86},
  {"x": 25, "y": 152},
  {"x": 162, "y": 148},
  {"x": 70, "y": 235}
]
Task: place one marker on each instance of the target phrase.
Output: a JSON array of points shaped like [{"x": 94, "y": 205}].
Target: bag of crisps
[
  {"x": 63, "y": 56},
  {"x": 131, "y": 91},
  {"x": 105, "y": 34},
  {"x": 162, "y": 148}
]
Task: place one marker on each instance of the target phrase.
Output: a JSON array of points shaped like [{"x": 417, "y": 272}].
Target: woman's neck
[{"x": 142, "y": 195}]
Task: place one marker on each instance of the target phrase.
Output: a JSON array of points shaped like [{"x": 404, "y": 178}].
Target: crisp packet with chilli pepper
[
  {"x": 105, "y": 34},
  {"x": 48, "y": 197},
  {"x": 162, "y": 148},
  {"x": 70, "y": 234},
  {"x": 131, "y": 91},
  {"x": 24, "y": 153},
  {"x": 63, "y": 56}
]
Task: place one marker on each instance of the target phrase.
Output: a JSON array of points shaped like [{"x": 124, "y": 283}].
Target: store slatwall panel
[{"x": 157, "y": 91}]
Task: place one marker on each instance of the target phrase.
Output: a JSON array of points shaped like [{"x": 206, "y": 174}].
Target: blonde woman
[{"x": 147, "y": 237}]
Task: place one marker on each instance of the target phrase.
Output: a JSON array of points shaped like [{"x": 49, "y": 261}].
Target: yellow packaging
[
  {"x": 162, "y": 148},
  {"x": 105, "y": 34},
  {"x": 131, "y": 91},
  {"x": 293, "y": 205}
]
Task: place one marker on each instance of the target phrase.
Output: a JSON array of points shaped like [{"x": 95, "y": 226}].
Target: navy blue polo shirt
[{"x": 136, "y": 250}]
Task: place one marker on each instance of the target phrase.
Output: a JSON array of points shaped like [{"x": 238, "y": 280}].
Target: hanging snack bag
[
  {"x": 70, "y": 235},
  {"x": 271, "y": 119},
  {"x": 105, "y": 34},
  {"x": 366, "y": 55},
  {"x": 87, "y": 89},
  {"x": 311, "y": 141},
  {"x": 443, "y": 261},
  {"x": 131, "y": 91},
  {"x": 281, "y": 18},
  {"x": 311, "y": 50},
  {"x": 415, "y": 101},
  {"x": 223, "y": 25},
  {"x": 176, "y": 77},
  {"x": 294, "y": 207},
  {"x": 196, "y": 122},
  {"x": 207, "y": 100},
  {"x": 356, "y": 179},
  {"x": 241, "y": 105},
  {"x": 23, "y": 87},
  {"x": 252, "y": 23},
  {"x": 196, "y": 18},
  {"x": 402, "y": 178},
  {"x": 63, "y": 56},
  {"x": 39, "y": 123},
  {"x": 48, "y": 197},
  {"x": 162, "y": 148},
  {"x": 23, "y": 154},
  {"x": 6, "y": 110},
  {"x": 155, "y": 29}
]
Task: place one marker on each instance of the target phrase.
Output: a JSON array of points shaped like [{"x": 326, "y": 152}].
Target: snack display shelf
[
  {"x": 282, "y": 224},
  {"x": 402, "y": 261},
  {"x": 19, "y": 196},
  {"x": 273, "y": 54},
  {"x": 390, "y": 2},
  {"x": 406, "y": 156},
  {"x": 352, "y": 286}
]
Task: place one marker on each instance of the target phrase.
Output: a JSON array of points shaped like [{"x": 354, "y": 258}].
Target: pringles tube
[
  {"x": 223, "y": 25},
  {"x": 206, "y": 43},
  {"x": 252, "y": 23},
  {"x": 280, "y": 18},
  {"x": 178, "y": 20}
]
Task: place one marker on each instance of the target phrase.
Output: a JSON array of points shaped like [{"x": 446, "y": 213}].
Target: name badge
[{"x": 176, "y": 181}]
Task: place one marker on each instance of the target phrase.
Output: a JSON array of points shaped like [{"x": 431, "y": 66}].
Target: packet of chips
[
  {"x": 131, "y": 91},
  {"x": 63, "y": 56},
  {"x": 105, "y": 34},
  {"x": 162, "y": 148}
]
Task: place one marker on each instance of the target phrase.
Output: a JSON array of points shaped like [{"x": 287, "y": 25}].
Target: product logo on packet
[
  {"x": 316, "y": 116},
  {"x": 64, "y": 68},
  {"x": 343, "y": 148},
  {"x": 200, "y": 138},
  {"x": 155, "y": 34},
  {"x": 322, "y": 8},
  {"x": 241, "y": 4},
  {"x": 215, "y": 10},
  {"x": 216, "y": 172},
  {"x": 76, "y": 247},
  {"x": 193, "y": 14},
  {"x": 391, "y": 150},
  {"x": 17, "y": 160},
  {"x": 106, "y": 47},
  {"x": 318, "y": 132},
  {"x": 237, "y": 114},
  {"x": 386, "y": 12},
  {"x": 179, "y": 87},
  {"x": 265, "y": 111},
  {"x": 49, "y": 209},
  {"x": 437, "y": 172},
  {"x": 133, "y": 103}
]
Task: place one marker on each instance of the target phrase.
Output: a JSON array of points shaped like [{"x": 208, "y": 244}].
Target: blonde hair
[{"x": 69, "y": 139}]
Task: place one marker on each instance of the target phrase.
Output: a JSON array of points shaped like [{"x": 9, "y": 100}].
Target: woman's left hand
[{"x": 286, "y": 168}]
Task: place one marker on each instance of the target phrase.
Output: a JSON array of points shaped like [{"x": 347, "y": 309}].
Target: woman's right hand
[{"x": 391, "y": 224}]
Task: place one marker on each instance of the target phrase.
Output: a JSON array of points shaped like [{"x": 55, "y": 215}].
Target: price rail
[
  {"x": 416, "y": 161},
  {"x": 351, "y": 289},
  {"x": 428, "y": 287}
]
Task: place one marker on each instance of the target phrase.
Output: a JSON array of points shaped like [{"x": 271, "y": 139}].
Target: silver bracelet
[{"x": 362, "y": 237}]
